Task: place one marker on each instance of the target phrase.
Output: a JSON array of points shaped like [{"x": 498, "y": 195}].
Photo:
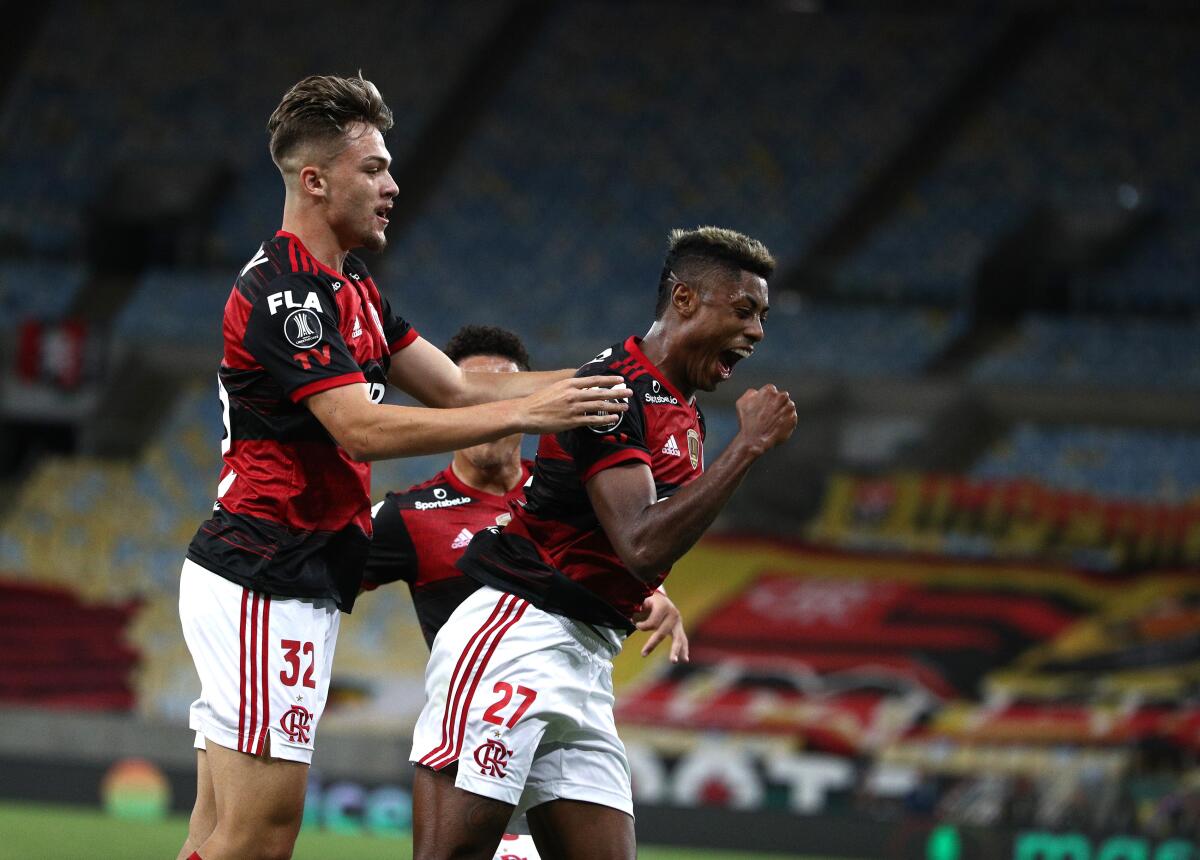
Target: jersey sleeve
[
  {"x": 595, "y": 449},
  {"x": 397, "y": 330},
  {"x": 393, "y": 555},
  {"x": 292, "y": 331}
]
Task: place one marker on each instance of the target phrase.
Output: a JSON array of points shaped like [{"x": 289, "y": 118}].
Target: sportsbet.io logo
[{"x": 302, "y": 328}]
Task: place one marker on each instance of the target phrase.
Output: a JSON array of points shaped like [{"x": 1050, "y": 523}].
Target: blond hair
[{"x": 693, "y": 253}]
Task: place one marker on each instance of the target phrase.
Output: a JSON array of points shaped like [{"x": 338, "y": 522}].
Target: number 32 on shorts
[
  {"x": 292, "y": 649},
  {"x": 505, "y": 689}
]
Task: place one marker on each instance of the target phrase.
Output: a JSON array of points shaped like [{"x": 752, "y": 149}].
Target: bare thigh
[
  {"x": 452, "y": 824},
  {"x": 578, "y": 830}
]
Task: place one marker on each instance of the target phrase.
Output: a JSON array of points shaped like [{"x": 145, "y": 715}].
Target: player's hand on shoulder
[
  {"x": 766, "y": 416},
  {"x": 585, "y": 401}
]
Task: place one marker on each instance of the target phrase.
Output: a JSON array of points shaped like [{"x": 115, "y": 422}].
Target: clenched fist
[{"x": 766, "y": 417}]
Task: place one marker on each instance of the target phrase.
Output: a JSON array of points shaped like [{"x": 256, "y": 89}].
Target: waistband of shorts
[{"x": 593, "y": 639}]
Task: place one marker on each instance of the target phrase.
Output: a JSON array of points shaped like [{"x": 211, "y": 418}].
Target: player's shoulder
[
  {"x": 615, "y": 360},
  {"x": 274, "y": 268},
  {"x": 626, "y": 360}
]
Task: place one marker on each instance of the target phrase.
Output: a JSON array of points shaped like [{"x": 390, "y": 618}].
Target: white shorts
[
  {"x": 515, "y": 846},
  {"x": 263, "y": 663},
  {"x": 522, "y": 699}
]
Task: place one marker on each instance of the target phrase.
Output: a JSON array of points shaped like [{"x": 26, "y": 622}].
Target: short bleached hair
[{"x": 691, "y": 254}]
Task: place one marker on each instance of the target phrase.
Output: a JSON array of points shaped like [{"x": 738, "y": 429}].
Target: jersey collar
[
  {"x": 284, "y": 234},
  {"x": 466, "y": 489},
  {"x": 633, "y": 345}
]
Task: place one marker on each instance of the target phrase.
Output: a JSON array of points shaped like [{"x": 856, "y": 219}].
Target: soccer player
[
  {"x": 420, "y": 534},
  {"x": 518, "y": 713},
  {"x": 309, "y": 346}
]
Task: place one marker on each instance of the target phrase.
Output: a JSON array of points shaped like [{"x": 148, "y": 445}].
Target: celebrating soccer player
[
  {"x": 309, "y": 346},
  {"x": 518, "y": 714},
  {"x": 421, "y": 533}
]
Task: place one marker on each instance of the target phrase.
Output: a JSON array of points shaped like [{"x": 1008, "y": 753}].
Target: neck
[
  {"x": 660, "y": 345},
  {"x": 497, "y": 479},
  {"x": 306, "y": 224}
]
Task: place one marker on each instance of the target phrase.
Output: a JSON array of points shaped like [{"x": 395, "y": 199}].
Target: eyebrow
[
  {"x": 754, "y": 303},
  {"x": 379, "y": 158}
]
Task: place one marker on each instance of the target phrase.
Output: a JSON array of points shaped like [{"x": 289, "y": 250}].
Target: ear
[
  {"x": 684, "y": 299},
  {"x": 312, "y": 181}
]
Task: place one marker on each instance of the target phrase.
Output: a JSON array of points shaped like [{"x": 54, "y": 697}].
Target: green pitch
[{"x": 34, "y": 832}]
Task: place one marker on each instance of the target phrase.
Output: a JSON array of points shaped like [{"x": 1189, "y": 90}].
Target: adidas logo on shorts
[{"x": 672, "y": 448}]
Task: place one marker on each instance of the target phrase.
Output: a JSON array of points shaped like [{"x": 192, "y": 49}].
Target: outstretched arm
[
  {"x": 374, "y": 431},
  {"x": 425, "y": 372},
  {"x": 650, "y": 536}
]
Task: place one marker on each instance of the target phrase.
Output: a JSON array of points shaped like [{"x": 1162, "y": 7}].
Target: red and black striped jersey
[
  {"x": 554, "y": 553},
  {"x": 293, "y": 511},
  {"x": 421, "y": 533}
]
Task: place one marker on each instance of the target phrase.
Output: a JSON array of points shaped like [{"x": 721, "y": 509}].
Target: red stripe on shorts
[
  {"x": 247, "y": 743},
  {"x": 266, "y": 689},
  {"x": 477, "y": 642},
  {"x": 242, "y": 669},
  {"x": 512, "y": 619}
]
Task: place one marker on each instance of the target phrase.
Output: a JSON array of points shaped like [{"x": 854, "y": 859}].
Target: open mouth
[
  {"x": 382, "y": 213},
  {"x": 729, "y": 357}
]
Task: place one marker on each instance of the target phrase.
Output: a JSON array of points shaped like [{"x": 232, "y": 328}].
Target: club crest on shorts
[
  {"x": 492, "y": 758},
  {"x": 694, "y": 448},
  {"x": 297, "y": 723}
]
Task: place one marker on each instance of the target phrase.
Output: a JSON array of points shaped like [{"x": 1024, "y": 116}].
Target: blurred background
[{"x": 957, "y": 616}]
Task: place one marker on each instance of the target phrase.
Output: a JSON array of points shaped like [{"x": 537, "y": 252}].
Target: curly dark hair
[{"x": 487, "y": 340}]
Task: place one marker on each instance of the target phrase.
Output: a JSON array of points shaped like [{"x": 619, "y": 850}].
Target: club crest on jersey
[
  {"x": 616, "y": 419},
  {"x": 302, "y": 328},
  {"x": 693, "y": 437}
]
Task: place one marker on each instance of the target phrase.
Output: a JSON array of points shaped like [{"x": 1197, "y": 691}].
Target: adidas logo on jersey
[
  {"x": 464, "y": 538},
  {"x": 672, "y": 447},
  {"x": 357, "y": 333}
]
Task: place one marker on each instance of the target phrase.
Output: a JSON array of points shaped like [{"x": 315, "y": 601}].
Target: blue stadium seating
[
  {"x": 559, "y": 232},
  {"x": 1119, "y": 463},
  {"x": 37, "y": 289},
  {"x": 178, "y": 308},
  {"x": 1096, "y": 351},
  {"x": 1120, "y": 138},
  {"x": 854, "y": 341},
  {"x": 135, "y": 94}
]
